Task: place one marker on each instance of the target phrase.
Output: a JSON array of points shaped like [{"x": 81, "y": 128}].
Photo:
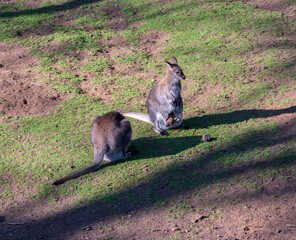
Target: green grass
[{"x": 217, "y": 43}]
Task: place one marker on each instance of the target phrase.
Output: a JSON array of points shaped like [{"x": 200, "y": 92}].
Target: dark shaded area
[
  {"x": 165, "y": 146},
  {"x": 234, "y": 117},
  {"x": 49, "y": 9},
  {"x": 158, "y": 147},
  {"x": 176, "y": 180}
]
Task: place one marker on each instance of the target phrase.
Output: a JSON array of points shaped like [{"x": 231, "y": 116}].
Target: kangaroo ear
[
  {"x": 169, "y": 65},
  {"x": 175, "y": 61}
]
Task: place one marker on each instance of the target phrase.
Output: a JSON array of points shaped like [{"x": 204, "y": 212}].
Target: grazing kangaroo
[
  {"x": 110, "y": 135},
  {"x": 164, "y": 102}
]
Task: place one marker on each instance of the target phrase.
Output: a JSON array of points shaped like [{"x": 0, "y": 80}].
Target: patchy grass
[{"x": 240, "y": 68}]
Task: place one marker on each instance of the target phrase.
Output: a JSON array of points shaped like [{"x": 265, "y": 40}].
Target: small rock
[
  {"x": 175, "y": 229},
  {"x": 197, "y": 218},
  {"x": 246, "y": 228},
  {"x": 206, "y": 137},
  {"x": 88, "y": 228},
  {"x": 279, "y": 231},
  {"x": 102, "y": 51}
]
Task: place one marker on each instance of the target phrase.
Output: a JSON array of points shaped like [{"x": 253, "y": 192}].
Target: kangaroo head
[{"x": 176, "y": 71}]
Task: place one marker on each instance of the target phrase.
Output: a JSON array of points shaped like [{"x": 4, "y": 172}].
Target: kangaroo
[
  {"x": 164, "y": 102},
  {"x": 171, "y": 120},
  {"x": 110, "y": 135}
]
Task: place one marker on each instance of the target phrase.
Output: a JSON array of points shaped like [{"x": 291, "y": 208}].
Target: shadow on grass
[
  {"x": 181, "y": 177},
  {"x": 164, "y": 146},
  {"x": 234, "y": 117},
  {"x": 49, "y": 9},
  {"x": 74, "y": 4},
  {"x": 154, "y": 147}
]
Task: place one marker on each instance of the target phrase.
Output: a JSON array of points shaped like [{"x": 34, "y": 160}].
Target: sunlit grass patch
[{"x": 220, "y": 46}]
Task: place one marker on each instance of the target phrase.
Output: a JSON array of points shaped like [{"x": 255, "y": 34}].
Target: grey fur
[
  {"x": 110, "y": 135},
  {"x": 164, "y": 102}
]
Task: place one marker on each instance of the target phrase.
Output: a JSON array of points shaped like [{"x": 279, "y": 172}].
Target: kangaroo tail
[
  {"x": 140, "y": 116},
  {"x": 77, "y": 173}
]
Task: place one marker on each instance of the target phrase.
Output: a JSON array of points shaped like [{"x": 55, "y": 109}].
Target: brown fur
[
  {"x": 164, "y": 102},
  {"x": 171, "y": 120},
  {"x": 111, "y": 135}
]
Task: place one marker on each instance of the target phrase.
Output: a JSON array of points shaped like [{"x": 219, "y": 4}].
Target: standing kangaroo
[
  {"x": 110, "y": 135},
  {"x": 164, "y": 102}
]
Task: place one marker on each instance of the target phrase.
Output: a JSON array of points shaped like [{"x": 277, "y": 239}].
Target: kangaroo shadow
[
  {"x": 234, "y": 117},
  {"x": 172, "y": 181},
  {"x": 154, "y": 147}
]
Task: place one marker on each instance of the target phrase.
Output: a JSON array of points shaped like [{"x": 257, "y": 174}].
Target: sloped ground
[
  {"x": 19, "y": 96},
  {"x": 223, "y": 209},
  {"x": 226, "y": 210}
]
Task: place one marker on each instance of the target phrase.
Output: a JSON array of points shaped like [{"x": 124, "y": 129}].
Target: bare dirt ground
[
  {"x": 268, "y": 214},
  {"x": 19, "y": 96}
]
